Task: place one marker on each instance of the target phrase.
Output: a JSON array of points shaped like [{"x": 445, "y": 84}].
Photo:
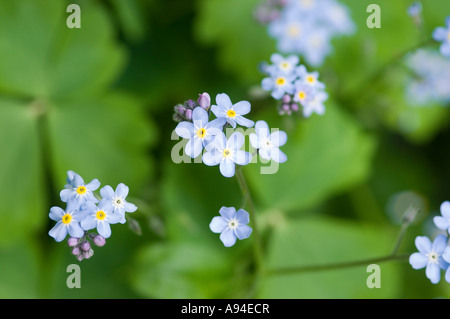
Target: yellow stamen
[
  {"x": 201, "y": 133},
  {"x": 301, "y": 95},
  {"x": 66, "y": 219},
  {"x": 226, "y": 152},
  {"x": 231, "y": 113},
  {"x": 101, "y": 215},
  {"x": 81, "y": 190},
  {"x": 280, "y": 81},
  {"x": 310, "y": 79}
]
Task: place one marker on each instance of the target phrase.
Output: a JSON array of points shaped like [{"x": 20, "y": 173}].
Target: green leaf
[
  {"x": 326, "y": 155},
  {"x": 322, "y": 241}
]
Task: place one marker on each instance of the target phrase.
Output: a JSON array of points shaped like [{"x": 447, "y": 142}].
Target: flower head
[
  {"x": 279, "y": 84},
  {"x": 227, "y": 153},
  {"x": 231, "y": 225},
  {"x": 268, "y": 143},
  {"x": 100, "y": 217},
  {"x": 442, "y": 34},
  {"x": 199, "y": 132},
  {"x": 68, "y": 222},
  {"x": 232, "y": 113},
  {"x": 77, "y": 191},
  {"x": 117, "y": 200},
  {"x": 430, "y": 256}
]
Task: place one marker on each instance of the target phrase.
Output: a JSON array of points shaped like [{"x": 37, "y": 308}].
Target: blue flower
[
  {"x": 443, "y": 222},
  {"x": 304, "y": 93},
  {"x": 282, "y": 65},
  {"x": 279, "y": 84},
  {"x": 77, "y": 191},
  {"x": 268, "y": 143},
  {"x": 199, "y": 132},
  {"x": 316, "y": 105},
  {"x": 100, "y": 217},
  {"x": 414, "y": 9},
  {"x": 68, "y": 222},
  {"x": 430, "y": 256},
  {"x": 309, "y": 78},
  {"x": 232, "y": 113},
  {"x": 231, "y": 225},
  {"x": 442, "y": 34},
  {"x": 226, "y": 153},
  {"x": 116, "y": 200},
  {"x": 317, "y": 46}
]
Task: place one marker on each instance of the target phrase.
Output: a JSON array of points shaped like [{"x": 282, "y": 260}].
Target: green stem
[{"x": 248, "y": 201}]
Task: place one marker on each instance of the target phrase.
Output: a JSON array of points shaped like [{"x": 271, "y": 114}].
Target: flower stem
[{"x": 248, "y": 201}]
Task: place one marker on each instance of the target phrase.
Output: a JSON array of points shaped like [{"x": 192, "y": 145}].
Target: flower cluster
[
  {"x": 442, "y": 34},
  {"x": 231, "y": 225},
  {"x": 431, "y": 80},
  {"x": 208, "y": 137},
  {"x": 434, "y": 256},
  {"x": 305, "y": 27},
  {"x": 291, "y": 83},
  {"x": 84, "y": 213}
]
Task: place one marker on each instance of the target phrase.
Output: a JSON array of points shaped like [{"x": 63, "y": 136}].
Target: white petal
[
  {"x": 278, "y": 138},
  {"x": 185, "y": 129},
  {"x": 227, "y": 169}
]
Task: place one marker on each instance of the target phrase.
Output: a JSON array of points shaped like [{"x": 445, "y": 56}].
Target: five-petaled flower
[
  {"x": 232, "y": 113},
  {"x": 116, "y": 199},
  {"x": 268, "y": 143},
  {"x": 77, "y": 191},
  {"x": 231, "y": 225},
  {"x": 442, "y": 34},
  {"x": 68, "y": 222},
  {"x": 100, "y": 217},
  {"x": 430, "y": 256}
]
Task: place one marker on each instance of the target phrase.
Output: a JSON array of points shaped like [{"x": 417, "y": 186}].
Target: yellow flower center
[
  {"x": 301, "y": 95},
  {"x": 231, "y": 113},
  {"x": 81, "y": 190},
  {"x": 101, "y": 215},
  {"x": 294, "y": 30},
  {"x": 66, "y": 219},
  {"x": 226, "y": 152},
  {"x": 310, "y": 79},
  {"x": 285, "y": 65},
  {"x": 201, "y": 133},
  {"x": 280, "y": 81}
]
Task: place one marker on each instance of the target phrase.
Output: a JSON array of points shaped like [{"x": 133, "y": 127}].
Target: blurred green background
[{"x": 99, "y": 101}]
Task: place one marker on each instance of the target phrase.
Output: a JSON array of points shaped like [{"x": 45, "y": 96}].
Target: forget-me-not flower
[
  {"x": 279, "y": 84},
  {"x": 316, "y": 105},
  {"x": 232, "y": 113},
  {"x": 442, "y": 34},
  {"x": 282, "y": 65},
  {"x": 231, "y": 225},
  {"x": 430, "y": 256},
  {"x": 100, "y": 217},
  {"x": 199, "y": 132},
  {"x": 227, "y": 153},
  {"x": 268, "y": 143},
  {"x": 68, "y": 222},
  {"x": 77, "y": 191},
  {"x": 117, "y": 200}
]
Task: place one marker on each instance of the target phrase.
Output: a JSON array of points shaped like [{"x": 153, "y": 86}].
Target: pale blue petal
[
  {"x": 112, "y": 218},
  {"x": 243, "y": 231},
  {"x": 242, "y": 217},
  {"x": 129, "y": 207},
  {"x": 242, "y": 107},
  {"x": 264, "y": 153},
  {"x": 77, "y": 181},
  {"x": 104, "y": 229},
  {"x": 107, "y": 192},
  {"x": 89, "y": 222},
  {"x": 228, "y": 237},
  {"x": 277, "y": 155},
  {"x": 439, "y": 244},
  {"x": 447, "y": 275},
  {"x": 194, "y": 147},
  {"x": 227, "y": 212},
  {"x": 223, "y": 100},
  {"x": 235, "y": 141},
  {"x": 243, "y": 121},
  {"x": 418, "y": 261},
  {"x": 242, "y": 157},
  {"x": 93, "y": 185},
  {"x": 423, "y": 244},
  {"x": 262, "y": 129},
  {"x": 276, "y": 58},
  {"x": 215, "y": 126},
  {"x": 267, "y": 84},
  {"x": 440, "y": 34},
  {"x": 445, "y": 49},
  {"x": 58, "y": 232},
  {"x": 122, "y": 190},
  {"x": 67, "y": 194},
  {"x": 218, "y": 111},
  {"x": 56, "y": 213},
  {"x": 75, "y": 230},
  {"x": 231, "y": 121},
  {"x": 218, "y": 224},
  {"x": 227, "y": 169},
  {"x": 278, "y": 138},
  {"x": 433, "y": 272},
  {"x": 211, "y": 158},
  {"x": 254, "y": 140},
  {"x": 200, "y": 116},
  {"x": 445, "y": 209},
  {"x": 446, "y": 254},
  {"x": 185, "y": 130}
]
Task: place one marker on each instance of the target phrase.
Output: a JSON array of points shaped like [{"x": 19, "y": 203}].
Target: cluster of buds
[
  {"x": 183, "y": 112},
  {"x": 287, "y": 105},
  {"x": 81, "y": 247},
  {"x": 269, "y": 10}
]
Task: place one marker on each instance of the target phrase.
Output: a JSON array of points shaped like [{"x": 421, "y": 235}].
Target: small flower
[
  {"x": 100, "y": 217},
  {"x": 77, "y": 191},
  {"x": 442, "y": 34},
  {"x": 226, "y": 153},
  {"x": 204, "y": 101},
  {"x": 199, "y": 132},
  {"x": 117, "y": 200},
  {"x": 309, "y": 78},
  {"x": 430, "y": 256},
  {"x": 279, "y": 84},
  {"x": 68, "y": 222},
  {"x": 282, "y": 65},
  {"x": 231, "y": 225},
  {"x": 233, "y": 113},
  {"x": 443, "y": 222},
  {"x": 415, "y": 9},
  {"x": 316, "y": 105},
  {"x": 304, "y": 93},
  {"x": 268, "y": 143}
]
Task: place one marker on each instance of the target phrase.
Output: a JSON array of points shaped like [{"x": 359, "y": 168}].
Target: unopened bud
[
  {"x": 188, "y": 114},
  {"x": 85, "y": 246},
  {"x": 99, "y": 241},
  {"x": 286, "y": 98},
  {"x": 72, "y": 241},
  {"x": 204, "y": 100},
  {"x": 76, "y": 251},
  {"x": 294, "y": 107}
]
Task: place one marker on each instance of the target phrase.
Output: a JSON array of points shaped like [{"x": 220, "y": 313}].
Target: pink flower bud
[
  {"x": 204, "y": 100},
  {"x": 99, "y": 241},
  {"x": 85, "y": 246},
  {"x": 72, "y": 241},
  {"x": 188, "y": 114}
]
